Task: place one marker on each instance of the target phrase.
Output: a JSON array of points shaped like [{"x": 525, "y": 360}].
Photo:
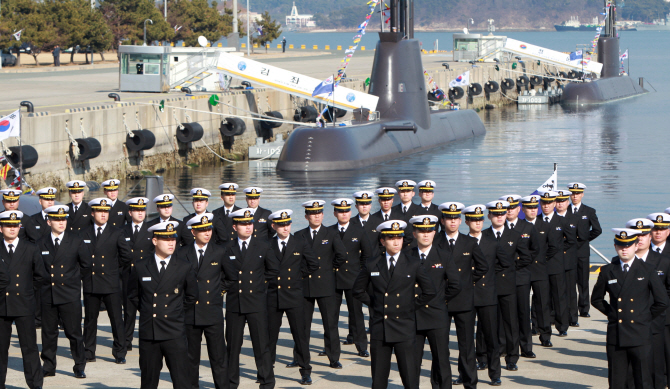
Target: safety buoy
[
  {"x": 89, "y": 148},
  {"x": 190, "y": 132},
  {"x": 507, "y": 84},
  {"x": 491, "y": 87},
  {"x": 522, "y": 81},
  {"x": 536, "y": 80},
  {"x": 29, "y": 155},
  {"x": 143, "y": 140},
  {"x": 456, "y": 93},
  {"x": 232, "y": 127},
  {"x": 305, "y": 114},
  {"x": 475, "y": 89}
]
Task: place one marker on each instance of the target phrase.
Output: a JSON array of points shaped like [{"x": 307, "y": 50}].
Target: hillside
[{"x": 452, "y": 14}]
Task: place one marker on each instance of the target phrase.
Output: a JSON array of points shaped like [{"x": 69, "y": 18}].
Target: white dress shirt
[
  {"x": 629, "y": 264},
  {"x": 661, "y": 246},
  {"x": 340, "y": 227},
  {"x": 515, "y": 222},
  {"x": 425, "y": 252},
  {"x": 279, "y": 240},
  {"x": 15, "y": 243},
  {"x": 311, "y": 231},
  {"x": 550, "y": 216},
  {"x": 139, "y": 226},
  {"x": 239, "y": 242},
  {"x": 60, "y": 238},
  {"x": 455, "y": 238},
  {"x": 158, "y": 261},
  {"x": 643, "y": 257},
  {"x": 388, "y": 260},
  {"x": 95, "y": 228},
  {"x": 478, "y": 237}
]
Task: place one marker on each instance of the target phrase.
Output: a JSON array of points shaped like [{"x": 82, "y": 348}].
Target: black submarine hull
[
  {"x": 602, "y": 91},
  {"x": 360, "y": 146}
]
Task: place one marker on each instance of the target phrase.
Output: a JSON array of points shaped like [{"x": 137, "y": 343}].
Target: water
[{"x": 619, "y": 150}]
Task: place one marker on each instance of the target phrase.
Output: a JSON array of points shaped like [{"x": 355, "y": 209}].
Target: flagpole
[
  {"x": 628, "y": 61},
  {"x": 333, "y": 116},
  {"x": 20, "y": 152}
]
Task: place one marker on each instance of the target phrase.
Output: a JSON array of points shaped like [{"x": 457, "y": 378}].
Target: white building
[{"x": 296, "y": 21}]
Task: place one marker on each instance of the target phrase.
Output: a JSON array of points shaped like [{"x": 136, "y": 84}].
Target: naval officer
[
  {"x": 118, "y": 213},
  {"x": 427, "y": 193},
  {"x": 261, "y": 228},
  {"x": 164, "y": 207},
  {"x": 10, "y": 201},
  {"x": 386, "y": 285},
  {"x": 660, "y": 232},
  {"x": 636, "y": 297},
  {"x": 228, "y": 195},
  {"x": 79, "y": 213},
  {"x": 570, "y": 259},
  {"x": 406, "y": 206},
  {"x": 363, "y": 206}
]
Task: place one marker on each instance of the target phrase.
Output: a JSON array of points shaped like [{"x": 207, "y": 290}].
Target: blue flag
[
  {"x": 326, "y": 86},
  {"x": 576, "y": 55}
]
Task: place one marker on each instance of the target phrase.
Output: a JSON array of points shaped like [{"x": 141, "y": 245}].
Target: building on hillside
[{"x": 295, "y": 21}]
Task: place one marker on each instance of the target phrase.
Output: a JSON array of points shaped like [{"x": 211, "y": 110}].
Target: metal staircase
[{"x": 192, "y": 70}]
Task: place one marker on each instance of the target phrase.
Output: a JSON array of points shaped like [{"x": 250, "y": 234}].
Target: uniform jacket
[
  {"x": 118, "y": 214},
  {"x": 295, "y": 263},
  {"x": 546, "y": 247},
  {"x": 208, "y": 308},
  {"x": 220, "y": 213},
  {"x": 588, "y": 228},
  {"x": 377, "y": 218},
  {"x": 558, "y": 236},
  {"x": 370, "y": 229},
  {"x": 331, "y": 254},
  {"x": 414, "y": 210},
  {"x": 109, "y": 255},
  {"x": 516, "y": 248},
  {"x": 358, "y": 248},
  {"x": 36, "y": 227},
  {"x": 182, "y": 231},
  {"x": 443, "y": 273},
  {"x": 392, "y": 298},
  {"x": 262, "y": 228},
  {"x": 661, "y": 265},
  {"x": 498, "y": 261},
  {"x": 219, "y": 232},
  {"x": 470, "y": 265},
  {"x": 246, "y": 278},
  {"x": 64, "y": 267},
  {"x": 26, "y": 272},
  {"x": 140, "y": 245},
  {"x": 635, "y": 299},
  {"x": 82, "y": 219},
  {"x": 528, "y": 232},
  {"x": 163, "y": 301},
  {"x": 570, "y": 258}
]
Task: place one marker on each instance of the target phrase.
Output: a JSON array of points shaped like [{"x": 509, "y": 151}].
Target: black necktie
[
  {"x": 511, "y": 226},
  {"x": 546, "y": 219},
  {"x": 451, "y": 244},
  {"x": 46, "y": 217},
  {"x": 244, "y": 249},
  {"x": 76, "y": 208},
  {"x": 363, "y": 222},
  {"x": 342, "y": 232},
  {"x": 202, "y": 254},
  {"x": 575, "y": 210},
  {"x": 386, "y": 217},
  {"x": 658, "y": 250},
  {"x": 162, "y": 270},
  {"x": 137, "y": 229},
  {"x": 423, "y": 257},
  {"x": 392, "y": 267},
  {"x": 313, "y": 235},
  {"x": 97, "y": 236},
  {"x": 11, "y": 250},
  {"x": 283, "y": 247},
  {"x": 227, "y": 212},
  {"x": 498, "y": 236},
  {"x": 57, "y": 243},
  {"x": 404, "y": 209}
]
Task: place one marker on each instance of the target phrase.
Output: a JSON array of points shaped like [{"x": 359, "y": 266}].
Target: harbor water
[{"x": 619, "y": 150}]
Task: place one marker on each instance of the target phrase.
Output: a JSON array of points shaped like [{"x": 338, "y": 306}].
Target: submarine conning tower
[{"x": 608, "y": 44}]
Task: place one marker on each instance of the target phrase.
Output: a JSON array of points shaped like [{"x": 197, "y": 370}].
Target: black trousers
[
  {"x": 559, "y": 303},
  {"x": 380, "y": 362},
  {"x": 330, "y": 315},
  {"x": 488, "y": 350},
  {"x": 440, "y": 370},
  {"x": 25, "y": 327},
  {"x": 152, "y": 353},
  {"x": 571, "y": 295},
  {"x": 523, "y": 317},
  {"x": 38, "y": 307},
  {"x": 656, "y": 364},
  {"x": 618, "y": 360},
  {"x": 356, "y": 319},
  {"x": 465, "y": 334},
  {"x": 216, "y": 350},
  {"x": 129, "y": 309},
  {"x": 583, "y": 274},
  {"x": 92, "y": 310},
  {"x": 258, "y": 329},
  {"x": 666, "y": 348},
  {"x": 508, "y": 327},
  {"x": 70, "y": 314},
  {"x": 296, "y": 323},
  {"x": 541, "y": 309}
]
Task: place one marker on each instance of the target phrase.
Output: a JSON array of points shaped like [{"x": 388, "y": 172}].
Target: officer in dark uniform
[
  {"x": 432, "y": 319},
  {"x": 636, "y": 297},
  {"x": 539, "y": 279},
  {"x": 661, "y": 264},
  {"x": 228, "y": 195},
  {"x": 79, "y": 217},
  {"x": 560, "y": 234},
  {"x": 261, "y": 228},
  {"x": 249, "y": 263},
  {"x": 110, "y": 254},
  {"x": 472, "y": 266},
  {"x": 165, "y": 288},
  {"x": 363, "y": 206},
  {"x": 319, "y": 287},
  {"x": 285, "y": 294},
  {"x": 118, "y": 214},
  {"x": 523, "y": 276},
  {"x": 17, "y": 303},
  {"x": 64, "y": 254},
  {"x": 359, "y": 250},
  {"x": 660, "y": 232},
  {"x": 206, "y": 316},
  {"x": 588, "y": 228},
  {"x": 139, "y": 238},
  {"x": 10, "y": 201},
  {"x": 388, "y": 212},
  {"x": 200, "y": 202},
  {"x": 427, "y": 193},
  {"x": 570, "y": 259},
  {"x": 164, "y": 206},
  {"x": 390, "y": 279},
  {"x": 406, "y": 207},
  {"x": 486, "y": 299}
]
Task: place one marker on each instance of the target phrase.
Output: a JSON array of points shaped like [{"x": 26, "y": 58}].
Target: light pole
[
  {"x": 248, "y": 35},
  {"x": 145, "y": 30}
]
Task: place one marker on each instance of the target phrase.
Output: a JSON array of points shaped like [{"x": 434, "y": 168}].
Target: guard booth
[{"x": 472, "y": 47}]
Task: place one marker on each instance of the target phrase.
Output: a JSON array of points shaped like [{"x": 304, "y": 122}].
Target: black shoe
[
  {"x": 546, "y": 343},
  {"x": 584, "y": 315},
  {"x": 512, "y": 367},
  {"x": 347, "y": 342},
  {"x": 48, "y": 373},
  {"x": 79, "y": 374},
  {"x": 336, "y": 365},
  {"x": 495, "y": 383},
  {"x": 129, "y": 347},
  {"x": 120, "y": 361},
  {"x": 457, "y": 381},
  {"x": 258, "y": 381},
  {"x": 293, "y": 364},
  {"x": 306, "y": 380},
  {"x": 322, "y": 354},
  {"x": 90, "y": 360},
  {"x": 482, "y": 365},
  {"x": 38, "y": 325},
  {"x": 575, "y": 324},
  {"x": 529, "y": 354},
  {"x": 533, "y": 332},
  {"x": 563, "y": 334},
  {"x": 364, "y": 354}
]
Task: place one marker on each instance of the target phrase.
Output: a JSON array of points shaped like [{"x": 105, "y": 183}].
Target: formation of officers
[{"x": 408, "y": 263}]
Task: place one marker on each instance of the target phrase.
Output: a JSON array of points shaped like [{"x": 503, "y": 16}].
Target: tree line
[{"x": 71, "y": 23}]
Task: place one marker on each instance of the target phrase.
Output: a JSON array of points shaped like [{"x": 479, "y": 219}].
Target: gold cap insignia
[
  {"x": 315, "y": 204},
  {"x": 575, "y": 186},
  {"x": 247, "y": 213},
  {"x": 623, "y": 235},
  {"x": 395, "y": 226},
  {"x": 61, "y": 211},
  {"x": 254, "y": 191},
  {"x": 344, "y": 203},
  {"x": 478, "y": 210},
  {"x": 140, "y": 202},
  {"x": 426, "y": 220},
  {"x": 284, "y": 215},
  {"x": 639, "y": 224},
  {"x": 166, "y": 198},
  {"x": 11, "y": 194},
  {"x": 546, "y": 195},
  {"x": 428, "y": 184},
  {"x": 365, "y": 196},
  {"x": 12, "y": 216},
  {"x": 231, "y": 187},
  {"x": 170, "y": 227},
  {"x": 386, "y": 191},
  {"x": 204, "y": 220},
  {"x": 510, "y": 199},
  {"x": 453, "y": 208},
  {"x": 659, "y": 219},
  {"x": 51, "y": 191},
  {"x": 103, "y": 203},
  {"x": 75, "y": 185},
  {"x": 499, "y": 205}
]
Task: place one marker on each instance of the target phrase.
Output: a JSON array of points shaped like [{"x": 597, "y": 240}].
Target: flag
[
  {"x": 17, "y": 35},
  {"x": 10, "y": 125},
  {"x": 462, "y": 80},
  {"x": 260, "y": 30},
  {"x": 3, "y": 172},
  {"x": 624, "y": 56},
  {"x": 177, "y": 28},
  {"x": 550, "y": 184},
  {"x": 576, "y": 55},
  {"x": 326, "y": 86}
]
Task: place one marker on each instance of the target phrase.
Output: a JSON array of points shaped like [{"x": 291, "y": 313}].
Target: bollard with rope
[
  {"x": 73, "y": 142},
  {"x": 128, "y": 131}
]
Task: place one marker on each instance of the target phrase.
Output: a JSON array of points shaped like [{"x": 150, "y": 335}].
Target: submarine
[
  {"x": 611, "y": 85},
  {"x": 405, "y": 124}
]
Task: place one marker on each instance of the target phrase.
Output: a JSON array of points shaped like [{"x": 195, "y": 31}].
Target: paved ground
[{"x": 577, "y": 361}]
